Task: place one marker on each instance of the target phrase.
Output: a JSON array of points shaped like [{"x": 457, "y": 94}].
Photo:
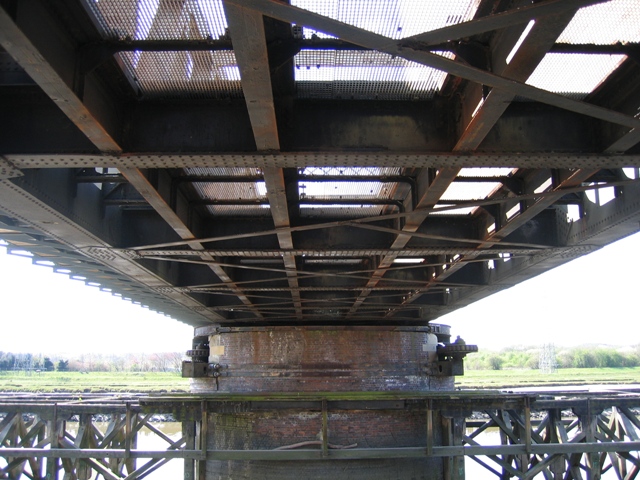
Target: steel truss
[
  {"x": 551, "y": 437},
  {"x": 165, "y": 166}
]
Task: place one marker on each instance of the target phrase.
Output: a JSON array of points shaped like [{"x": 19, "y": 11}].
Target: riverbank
[
  {"x": 519, "y": 378},
  {"x": 93, "y": 382},
  {"x": 171, "y": 382}
]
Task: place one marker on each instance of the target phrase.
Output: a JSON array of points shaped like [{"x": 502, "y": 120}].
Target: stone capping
[{"x": 434, "y": 328}]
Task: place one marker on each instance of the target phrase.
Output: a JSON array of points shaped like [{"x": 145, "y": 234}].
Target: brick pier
[{"x": 323, "y": 359}]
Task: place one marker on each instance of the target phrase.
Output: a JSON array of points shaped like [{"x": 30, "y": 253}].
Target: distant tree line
[
  {"x": 578, "y": 357},
  {"x": 92, "y": 362}
]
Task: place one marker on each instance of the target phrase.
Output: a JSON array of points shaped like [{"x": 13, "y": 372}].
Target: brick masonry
[
  {"x": 361, "y": 428},
  {"x": 317, "y": 359},
  {"x": 290, "y": 359}
]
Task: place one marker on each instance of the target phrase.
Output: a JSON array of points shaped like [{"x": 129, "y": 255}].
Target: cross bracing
[{"x": 259, "y": 162}]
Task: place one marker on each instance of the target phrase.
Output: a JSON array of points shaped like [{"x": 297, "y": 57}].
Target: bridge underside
[
  {"x": 255, "y": 164},
  {"x": 311, "y": 184}
]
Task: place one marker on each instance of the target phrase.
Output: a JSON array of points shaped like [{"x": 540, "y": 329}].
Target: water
[
  {"x": 148, "y": 440},
  {"x": 491, "y": 436}
]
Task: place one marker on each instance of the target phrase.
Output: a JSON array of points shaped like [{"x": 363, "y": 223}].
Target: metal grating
[
  {"x": 456, "y": 211},
  {"x": 159, "y": 19},
  {"x": 466, "y": 191},
  {"x": 573, "y": 75},
  {"x": 171, "y": 74},
  {"x": 183, "y": 74},
  {"x": 231, "y": 191},
  {"x": 618, "y": 22},
  {"x": 470, "y": 190},
  {"x": 238, "y": 210},
  {"x": 340, "y": 211},
  {"x": 391, "y": 18},
  {"x": 345, "y": 190},
  {"x": 223, "y": 172},
  {"x": 485, "y": 172},
  {"x": 350, "y": 171},
  {"x": 366, "y": 75}
]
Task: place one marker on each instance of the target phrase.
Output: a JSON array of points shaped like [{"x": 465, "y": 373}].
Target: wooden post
[
  {"x": 201, "y": 433},
  {"x": 40, "y": 461},
  {"x": 325, "y": 429},
  {"x": 504, "y": 440},
  {"x": 83, "y": 470},
  {"x": 556, "y": 432},
  {"x": 189, "y": 433},
  {"x": 527, "y": 425},
  {"x": 447, "y": 462},
  {"x": 127, "y": 431},
  {"x": 53, "y": 430},
  {"x": 131, "y": 438},
  {"x": 452, "y": 434},
  {"x": 459, "y": 425},
  {"x": 429, "y": 427},
  {"x": 589, "y": 423}
]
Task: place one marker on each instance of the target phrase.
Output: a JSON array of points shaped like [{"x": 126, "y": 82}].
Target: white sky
[
  {"x": 46, "y": 312},
  {"x": 590, "y": 300}
]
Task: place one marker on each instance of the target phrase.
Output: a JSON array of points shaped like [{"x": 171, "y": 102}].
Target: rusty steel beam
[
  {"x": 540, "y": 40},
  {"x": 499, "y": 20},
  {"x": 137, "y": 179},
  {"x": 624, "y": 143},
  {"x": 22, "y": 204},
  {"x": 23, "y": 51},
  {"x": 529, "y": 55},
  {"x": 380, "y": 43},
  {"x": 532, "y": 51},
  {"x": 248, "y": 37},
  {"x": 330, "y": 159},
  {"x": 274, "y": 180},
  {"x": 571, "y": 179},
  {"x": 336, "y": 253},
  {"x": 28, "y": 56},
  {"x": 427, "y": 201},
  {"x": 250, "y": 46}
]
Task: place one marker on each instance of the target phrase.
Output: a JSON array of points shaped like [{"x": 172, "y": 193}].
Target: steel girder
[{"x": 152, "y": 227}]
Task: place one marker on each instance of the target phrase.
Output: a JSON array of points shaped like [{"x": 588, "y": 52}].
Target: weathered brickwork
[
  {"x": 390, "y": 469},
  {"x": 361, "y": 428},
  {"x": 316, "y": 359},
  {"x": 305, "y": 359},
  {"x": 278, "y": 428}
]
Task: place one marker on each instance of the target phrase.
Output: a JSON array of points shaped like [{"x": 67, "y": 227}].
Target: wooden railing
[{"x": 565, "y": 436}]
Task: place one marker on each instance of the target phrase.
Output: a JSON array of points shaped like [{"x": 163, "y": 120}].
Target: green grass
[
  {"x": 93, "y": 382},
  {"x": 155, "y": 382},
  {"x": 492, "y": 379}
]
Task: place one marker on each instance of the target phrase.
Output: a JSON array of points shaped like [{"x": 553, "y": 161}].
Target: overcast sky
[
  {"x": 591, "y": 299},
  {"x": 46, "y": 312}
]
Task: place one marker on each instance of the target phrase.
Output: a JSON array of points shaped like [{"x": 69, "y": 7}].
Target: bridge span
[{"x": 311, "y": 185}]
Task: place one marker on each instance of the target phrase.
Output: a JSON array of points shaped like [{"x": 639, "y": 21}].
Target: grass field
[
  {"x": 493, "y": 379},
  {"x": 148, "y": 382},
  {"x": 92, "y": 382}
]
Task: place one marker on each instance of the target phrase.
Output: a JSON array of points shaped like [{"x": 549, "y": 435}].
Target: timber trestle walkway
[{"x": 559, "y": 435}]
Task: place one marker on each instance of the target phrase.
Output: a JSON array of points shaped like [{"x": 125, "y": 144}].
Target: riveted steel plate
[
  {"x": 8, "y": 170},
  {"x": 297, "y": 160}
]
